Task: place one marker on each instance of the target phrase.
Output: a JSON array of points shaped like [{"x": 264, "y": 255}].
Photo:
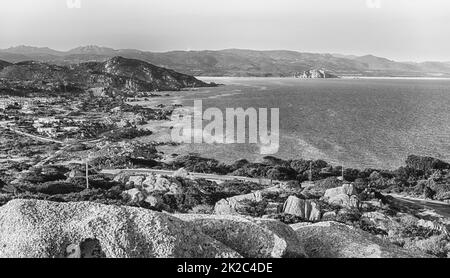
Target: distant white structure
[{"x": 47, "y": 120}]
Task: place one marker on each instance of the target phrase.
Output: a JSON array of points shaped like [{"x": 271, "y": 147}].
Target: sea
[{"x": 353, "y": 122}]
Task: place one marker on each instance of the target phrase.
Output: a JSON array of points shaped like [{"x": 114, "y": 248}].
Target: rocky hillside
[
  {"x": 237, "y": 62},
  {"x": 116, "y": 73},
  {"x": 4, "y": 64},
  {"x": 157, "y": 77}
]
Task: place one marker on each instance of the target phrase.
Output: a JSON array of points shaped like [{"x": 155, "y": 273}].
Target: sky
[{"x": 402, "y": 30}]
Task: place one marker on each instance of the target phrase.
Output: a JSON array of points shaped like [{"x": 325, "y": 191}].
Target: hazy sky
[{"x": 413, "y": 30}]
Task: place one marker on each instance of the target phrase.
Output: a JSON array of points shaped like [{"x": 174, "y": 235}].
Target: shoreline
[{"x": 340, "y": 77}]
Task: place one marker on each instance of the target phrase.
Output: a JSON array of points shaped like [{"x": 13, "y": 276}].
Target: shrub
[
  {"x": 44, "y": 174},
  {"x": 53, "y": 188},
  {"x": 281, "y": 173},
  {"x": 126, "y": 133},
  {"x": 237, "y": 187},
  {"x": 202, "y": 209},
  {"x": 286, "y": 218},
  {"x": 252, "y": 208},
  {"x": 423, "y": 163},
  {"x": 435, "y": 245},
  {"x": 348, "y": 216}
]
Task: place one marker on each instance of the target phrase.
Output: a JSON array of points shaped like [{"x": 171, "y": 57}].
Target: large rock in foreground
[
  {"x": 251, "y": 237},
  {"x": 32, "y": 228},
  {"x": 337, "y": 240}
]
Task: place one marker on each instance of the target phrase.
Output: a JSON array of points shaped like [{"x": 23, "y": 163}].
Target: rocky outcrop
[
  {"x": 233, "y": 204},
  {"x": 134, "y": 195},
  {"x": 150, "y": 183},
  {"x": 159, "y": 183},
  {"x": 344, "y": 196},
  {"x": 315, "y": 73},
  {"x": 38, "y": 229},
  {"x": 250, "y": 237},
  {"x": 239, "y": 203},
  {"x": 337, "y": 240},
  {"x": 308, "y": 210}
]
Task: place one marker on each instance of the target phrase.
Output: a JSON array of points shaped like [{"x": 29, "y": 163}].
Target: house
[
  {"x": 71, "y": 128},
  {"x": 49, "y": 131}
]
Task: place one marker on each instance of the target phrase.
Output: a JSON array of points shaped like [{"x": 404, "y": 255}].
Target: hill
[{"x": 116, "y": 73}]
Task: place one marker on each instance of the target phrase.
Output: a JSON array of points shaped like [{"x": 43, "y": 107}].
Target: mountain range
[{"x": 236, "y": 62}]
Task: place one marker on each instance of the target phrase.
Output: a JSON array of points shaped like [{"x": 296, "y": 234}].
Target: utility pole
[
  {"x": 87, "y": 173},
  {"x": 310, "y": 171},
  {"x": 341, "y": 178}
]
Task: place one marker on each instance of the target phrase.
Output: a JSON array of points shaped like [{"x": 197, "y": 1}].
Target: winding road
[
  {"x": 441, "y": 208},
  {"x": 38, "y": 138}
]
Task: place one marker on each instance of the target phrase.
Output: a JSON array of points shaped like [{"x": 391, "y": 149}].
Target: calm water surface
[{"x": 355, "y": 122}]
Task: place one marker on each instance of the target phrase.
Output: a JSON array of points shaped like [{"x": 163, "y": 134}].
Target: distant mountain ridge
[
  {"x": 237, "y": 62},
  {"x": 115, "y": 73}
]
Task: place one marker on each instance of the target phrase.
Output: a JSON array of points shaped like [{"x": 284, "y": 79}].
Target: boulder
[
  {"x": 336, "y": 240},
  {"x": 122, "y": 177},
  {"x": 343, "y": 196},
  {"x": 344, "y": 201},
  {"x": 306, "y": 209},
  {"x": 136, "y": 180},
  {"x": 154, "y": 201},
  {"x": 159, "y": 183},
  {"x": 39, "y": 229},
  {"x": 134, "y": 195},
  {"x": 250, "y": 237},
  {"x": 233, "y": 204},
  {"x": 329, "y": 216},
  {"x": 181, "y": 173},
  {"x": 329, "y": 193}
]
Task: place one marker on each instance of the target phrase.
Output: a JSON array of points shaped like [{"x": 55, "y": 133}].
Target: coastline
[{"x": 207, "y": 78}]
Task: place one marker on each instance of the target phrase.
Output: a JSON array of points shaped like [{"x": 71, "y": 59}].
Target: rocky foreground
[
  {"x": 49, "y": 212},
  {"x": 40, "y": 229}
]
